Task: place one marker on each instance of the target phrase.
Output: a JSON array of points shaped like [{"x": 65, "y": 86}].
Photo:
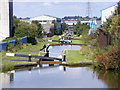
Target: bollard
[
  {"x": 47, "y": 54},
  {"x": 39, "y": 61},
  {"x": 29, "y": 58},
  {"x": 64, "y": 57}
]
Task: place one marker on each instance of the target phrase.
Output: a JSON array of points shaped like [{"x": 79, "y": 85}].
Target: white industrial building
[
  {"x": 107, "y": 12},
  {"x": 44, "y": 19},
  {"x": 6, "y": 14},
  {"x": 46, "y": 22}
]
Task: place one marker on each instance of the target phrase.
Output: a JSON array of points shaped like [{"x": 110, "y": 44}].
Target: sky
[{"x": 58, "y": 9}]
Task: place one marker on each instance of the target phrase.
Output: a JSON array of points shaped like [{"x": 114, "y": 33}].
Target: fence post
[{"x": 29, "y": 58}]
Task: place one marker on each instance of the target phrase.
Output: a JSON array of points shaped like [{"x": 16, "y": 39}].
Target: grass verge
[
  {"x": 77, "y": 42},
  {"x": 75, "y": 56}
]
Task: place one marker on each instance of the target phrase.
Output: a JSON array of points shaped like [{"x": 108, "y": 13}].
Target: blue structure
[
  {"x": 3, "y": 45},
  {"x": 12, "y": 42},
  {"x": 93, "y": 26},
  {"x": 24, "y": 40}
]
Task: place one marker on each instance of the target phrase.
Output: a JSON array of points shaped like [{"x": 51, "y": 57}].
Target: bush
[
  {"x": 109, "y": 60},
  {"x": 32, "y": 40},
  {"x": 10, "y": 47},
  {"x": 89, "y": 51},
  {"x": 17, "y": 41}
]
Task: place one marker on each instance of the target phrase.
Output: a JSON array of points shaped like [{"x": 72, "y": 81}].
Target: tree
[
  {"x": 39, "y": 29},
  {"x": 15, "y": 24},
  {"x": 112, "y": 25},
  {"x": 117, "y": 11},
  {"x": 56, "y": 31},
  {"x": 79, "y": 28},
  {"x": 64, "y": 26},
  {"x": 26, "y": 29},
  {"x": 76, "y": 27}
]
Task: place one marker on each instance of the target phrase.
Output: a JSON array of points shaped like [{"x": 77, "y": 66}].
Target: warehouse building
[{"x": 107, "y": 12}]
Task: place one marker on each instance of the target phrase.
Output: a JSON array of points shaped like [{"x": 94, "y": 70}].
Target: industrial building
[
  {"x": 6, "y": 16},
  {"x": 107, "y": 12},
  {"x": 47, "y": 22},
  {"x": 44, "y": 19}
]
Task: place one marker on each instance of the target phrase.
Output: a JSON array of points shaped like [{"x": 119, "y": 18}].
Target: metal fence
[{"x": 4, "y": 45}]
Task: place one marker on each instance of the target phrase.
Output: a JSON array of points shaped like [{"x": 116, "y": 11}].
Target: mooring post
[
  {"x": 64, "y": 57},
  {"x": 29, "y": 58},
  {"x": 47, "y": 54}
]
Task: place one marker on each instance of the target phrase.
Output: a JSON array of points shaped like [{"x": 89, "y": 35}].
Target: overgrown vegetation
[
  {"x": 111, "y": 58},
  {"x": 112, "y": 25}
]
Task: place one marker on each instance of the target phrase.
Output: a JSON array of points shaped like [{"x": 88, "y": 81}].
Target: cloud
[
  {"x": 57, "y": 1},
  {"x": 47, "y": 4}
]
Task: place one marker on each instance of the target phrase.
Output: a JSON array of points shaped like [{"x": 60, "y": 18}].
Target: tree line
[{"x": 112, "y": 25}]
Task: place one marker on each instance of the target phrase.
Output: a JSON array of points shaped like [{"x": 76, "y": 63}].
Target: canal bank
[{"x": 34, "y": 50}]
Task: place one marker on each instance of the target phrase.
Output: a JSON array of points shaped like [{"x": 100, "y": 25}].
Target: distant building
[
  {"x": 44, "y": 19},
  {"x": 48, "y": 29},
  {"x": 106, "y": 13},
  {"x": 46, "y": 22},
  {"x": 70, "y": 23},
  {"x": 6, "y": 19},
  {"x": 27, "y": 19}
]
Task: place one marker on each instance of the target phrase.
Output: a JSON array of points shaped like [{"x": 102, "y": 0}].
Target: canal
[{"x": 58, "y": 76}]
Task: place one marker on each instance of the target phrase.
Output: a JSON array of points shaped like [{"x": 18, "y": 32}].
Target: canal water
[
  {"x": 56, "y": 51},
  {"x": 58, "y": 76}
]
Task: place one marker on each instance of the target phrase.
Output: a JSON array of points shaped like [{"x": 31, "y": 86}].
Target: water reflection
[
  {"x": 6, "y": 79},
  {"x": 60, "y": 77},
  {"x": 111, "y": 78}
]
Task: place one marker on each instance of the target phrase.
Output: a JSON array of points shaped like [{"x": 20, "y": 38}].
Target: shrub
[
  {"x": 89, "y": 51},
  {"x": 17, "y": 41},
  {"x": 109, "y": 60},
  {"x": 32, "y": 40},
  {"x": 9, "y": 47}
]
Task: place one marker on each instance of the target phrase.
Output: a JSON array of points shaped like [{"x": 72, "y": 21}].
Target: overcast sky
[{"x": 58, "y": 9}]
